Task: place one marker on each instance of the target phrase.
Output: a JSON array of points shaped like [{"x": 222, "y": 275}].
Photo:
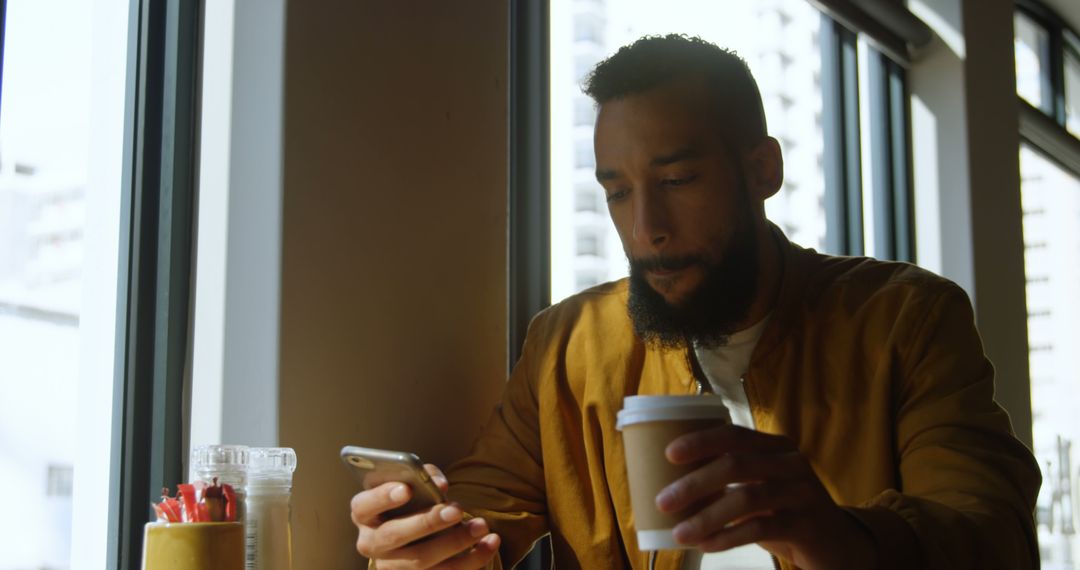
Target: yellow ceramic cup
[{"x": 193, "y": 546}]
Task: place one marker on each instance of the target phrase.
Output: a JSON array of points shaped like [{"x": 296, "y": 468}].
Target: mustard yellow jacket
[{"x": 874, "y": 369}]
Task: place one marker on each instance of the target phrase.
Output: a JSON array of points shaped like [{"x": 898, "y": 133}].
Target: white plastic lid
[
  {"x": 277, "y": 463},
  {"x": 641, "y": 409},
  {"x": 220, "y": 458}
]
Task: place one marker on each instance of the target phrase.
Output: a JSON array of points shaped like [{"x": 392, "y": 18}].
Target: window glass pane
[
  {"x": 1072, "y": 92},
  {"x": 1051, "y": 204},
  {"x": 866, "y": 132},
  {"x": 589, "y": 199},
  {"x": 61, "y": 155},
  {"x": 584, "y": 112},
  {"x": 1030, "y": 44},
  {"x": 779, "y": 40}
]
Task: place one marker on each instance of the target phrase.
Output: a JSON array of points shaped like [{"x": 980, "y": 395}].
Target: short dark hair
[{"x": 654, "y": 60}]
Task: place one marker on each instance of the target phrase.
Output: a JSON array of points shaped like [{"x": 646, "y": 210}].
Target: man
[{"x": 866, "y": 433}]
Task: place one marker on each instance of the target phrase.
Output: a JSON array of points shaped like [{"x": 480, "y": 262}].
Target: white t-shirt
[{"x": 725, "y": 367}]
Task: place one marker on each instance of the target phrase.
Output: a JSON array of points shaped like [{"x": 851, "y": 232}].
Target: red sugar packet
[{"x": 198, "y": 502}]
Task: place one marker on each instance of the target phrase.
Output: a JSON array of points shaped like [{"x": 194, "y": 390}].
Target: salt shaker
[{"x": 267, "y": 522}]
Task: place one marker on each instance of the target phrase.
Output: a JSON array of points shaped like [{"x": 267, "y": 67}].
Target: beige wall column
[
  {"x": 967, "y": 179},
  {"x": 393, "y": 311}
]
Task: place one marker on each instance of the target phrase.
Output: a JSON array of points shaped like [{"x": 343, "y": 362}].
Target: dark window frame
[
  {"x": 154, "y": 282},
  {"x": 890, "y": 148},
  {"x": 1053, "y": 73},
  {"x": 842, "y": 148},
  {"x": 530, "y": 173},
  {"x": 529, "y": 255},
  {"x": 1044, "y": 128}
]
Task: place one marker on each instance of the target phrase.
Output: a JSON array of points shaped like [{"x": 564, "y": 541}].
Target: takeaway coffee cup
[{"x": 649, "y": 424}]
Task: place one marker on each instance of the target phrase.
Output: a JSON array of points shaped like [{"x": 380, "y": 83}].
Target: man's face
[{"x": 679, "y": 201}]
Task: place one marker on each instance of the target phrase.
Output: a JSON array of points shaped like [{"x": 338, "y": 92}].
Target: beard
[{"x": 708, "y": 314}]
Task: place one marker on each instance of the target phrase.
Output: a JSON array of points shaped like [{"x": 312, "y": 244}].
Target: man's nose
[{"x": 651, "y": 221}]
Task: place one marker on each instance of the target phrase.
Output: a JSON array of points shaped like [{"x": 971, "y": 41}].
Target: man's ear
[{"x": 764, "y": 168}]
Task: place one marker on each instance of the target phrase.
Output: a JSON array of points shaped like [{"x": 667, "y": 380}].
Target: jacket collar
[{"x": 797, "y": 264}]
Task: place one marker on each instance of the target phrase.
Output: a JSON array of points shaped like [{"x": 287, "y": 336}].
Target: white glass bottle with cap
[
  {"x": 227, "y": 464},
  {"x": 269, "y": 530}
]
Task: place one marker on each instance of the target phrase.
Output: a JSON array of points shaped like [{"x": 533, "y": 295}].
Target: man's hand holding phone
[{"x": 433, "y": 537}]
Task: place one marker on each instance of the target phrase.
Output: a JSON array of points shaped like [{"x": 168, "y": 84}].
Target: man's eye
[
  {"x": 678, "y": 181},
  {"x": 616, "y": 195}
]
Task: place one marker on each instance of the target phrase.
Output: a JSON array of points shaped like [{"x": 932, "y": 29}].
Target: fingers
[
  {"x": 711, "y": 442},
  {"x": 437, "y": 476},
  {"x": 396, "y": 533},
  {"x": 440, "y": 549},
  {"x": 745, "y": 504},
  {"x": 715, "y": 476},
  {"x": 757, "y": 529},
  {"x": 368, "y": 505},
  {"x": 478, "y": 557}
]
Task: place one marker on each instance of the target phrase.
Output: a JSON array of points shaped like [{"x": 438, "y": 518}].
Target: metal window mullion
[
  {"x": 852, "y": 142},
  {"x": 1048, "y": 137},
  {"x": 831, "y": 122},
  {"x": 154, "y": 282},
  {"x": 903, "y": 193},
  {"x": 1056, "y": 72},
  {"x": 881, "y": 152},
  {"x": 1051, "y": 57},
  {"x": 529, "y": 192},
  {"x": 840, "y": 114},
  {"x": 529, "y": 278}
]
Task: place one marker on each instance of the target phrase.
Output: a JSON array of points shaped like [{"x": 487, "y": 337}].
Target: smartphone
[{"x": 373, "y": 467}]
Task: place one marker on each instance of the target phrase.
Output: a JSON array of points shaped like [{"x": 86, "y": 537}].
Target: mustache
[{"x": 665, "y": 263}]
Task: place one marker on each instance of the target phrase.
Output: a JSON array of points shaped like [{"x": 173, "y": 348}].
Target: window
[
  {"x": 1032, "y": 46},
  {"x": 59, "y": 481},
  {"x": 583, "y": 63},
  {"x": 1051, "y": 202},
  {"x": 584, "y": 159},
  {"x": 589, "y": 199},
  {"x": 1048, "y": 80},
  {"x": 584, "y": 112},
  {"x": 61, "y": 150},
  {"x": 589, "y": 243},
  {"x": 588, "y": 28},
  {"x": 1047, "y": 64},
  {"x": 585, "y": 279}
]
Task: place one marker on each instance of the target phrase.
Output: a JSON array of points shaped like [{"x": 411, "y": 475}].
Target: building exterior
[{"x": 41, "y": 221}]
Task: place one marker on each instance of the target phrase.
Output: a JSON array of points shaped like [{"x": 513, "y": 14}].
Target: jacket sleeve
[
  {"x": 502, "y": 479},
  {"x": 968, "y": 486}
]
